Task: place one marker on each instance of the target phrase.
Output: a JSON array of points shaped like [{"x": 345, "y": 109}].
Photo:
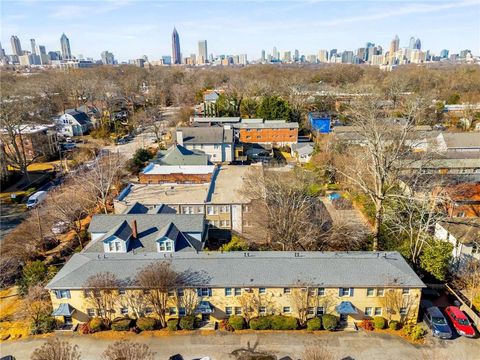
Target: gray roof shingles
[
  {"x": 265, "y": 269},
  {"x": 206, "y": 135},
  {"x": 178, "y": 155}
]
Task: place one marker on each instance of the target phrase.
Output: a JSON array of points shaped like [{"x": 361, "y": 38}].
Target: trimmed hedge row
[
  {"x": 274, "y": 322},
  {"x": 236, "y": 322}
]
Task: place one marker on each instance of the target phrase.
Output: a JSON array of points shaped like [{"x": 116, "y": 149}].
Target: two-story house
[
  {"x": 74, "y": 123},
  {"x": 351, "y": 285}
]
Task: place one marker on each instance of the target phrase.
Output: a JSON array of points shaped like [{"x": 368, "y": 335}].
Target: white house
[
  {"x": 303, "y": 151},
  {"x": 216, "y": 142},
  {"x": 74, "y": 123},
  {"x": 463, "y": 234}
]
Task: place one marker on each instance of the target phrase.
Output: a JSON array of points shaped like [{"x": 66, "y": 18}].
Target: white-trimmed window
[
  {"x": 172, "y": 310},
  {"x": 262, "y": 310},
  {"x": 320, "y": 310},
  {"x": 205, "y": 292},
  {"x": 370, "y": 291},
  {"x": 124, "y": 311},
  {"x": 405, "y": 291},
  {"x": 368, "y": 311},
  {"x": 148, "y": 310},
  {"x": 380, "y": 292},
  {"x": 403, "y": 311},
  {"x": 91, "y": 312},
  {"x": 228, "y": 310},
  {"x": 345, "y": 292},
  {"x": 181, "y": 311},
  {"x": 238, "y": 310},
  {"x": 118, "y": 246},
  {"x": 311, "y": 311},
  {"x": 238, "y": 291},
  {"x": 287, "y": 290},
  {"x": 286, "y": 310},
  {"x": 228, "y": 291},
  {"x": 378, "y": 311},
  {"x": 321, "y": 291},
  {"x": 224, "y": 209},
  {"x": 165, "y": 245},
  {"x": 121, "y": 292},
  {"x": 180, "y": 292},
  {"x": 262, "y": 290},
  {"x": 187, "y": 210}
]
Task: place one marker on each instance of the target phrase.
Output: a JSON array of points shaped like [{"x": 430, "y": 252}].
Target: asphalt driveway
[{"x": 344, "y": 345}]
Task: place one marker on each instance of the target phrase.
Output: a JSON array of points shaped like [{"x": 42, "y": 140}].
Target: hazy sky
[{"x": 132, "y": 28}]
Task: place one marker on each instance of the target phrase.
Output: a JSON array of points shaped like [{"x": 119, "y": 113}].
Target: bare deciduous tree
[
  {"x": 127, "y": 350},
  {"x": 134, "y": 300},
  {"x": 376, "y": 166},
  {"x": 56, "y": 349},
  {"x": 102, "y": 178},
  {"x": 157, "y": 280},
  {"x": 101, "y": 291},
  {"x": 468, "y": 279},
  {"x": 189, "y": 301},
  {"x": 36, "y": 304},
  {"x": 252, "y": 301},
  {"x": 302, "y": 298}
]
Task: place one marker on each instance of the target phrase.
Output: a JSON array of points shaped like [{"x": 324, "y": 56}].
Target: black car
[{"x": 435, "y": 320}]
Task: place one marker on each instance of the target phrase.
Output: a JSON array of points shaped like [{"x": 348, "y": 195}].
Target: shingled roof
[
  {"x": 179, "y": 155},
  {"x": 253, "y": 269}
]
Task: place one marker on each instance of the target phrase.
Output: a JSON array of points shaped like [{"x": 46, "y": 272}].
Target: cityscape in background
[{"x": 410, "y": 52}]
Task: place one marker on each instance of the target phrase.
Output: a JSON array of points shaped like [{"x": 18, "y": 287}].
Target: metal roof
[{"x": 251, "y": 269}]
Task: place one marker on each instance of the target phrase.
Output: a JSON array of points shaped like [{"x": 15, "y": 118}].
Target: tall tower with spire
[
  {"x": 176, "y": 54},
  {"x": 65, "y": 44},
  {"x": 418, "y": 45}
]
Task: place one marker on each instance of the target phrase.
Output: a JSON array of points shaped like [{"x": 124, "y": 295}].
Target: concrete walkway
[{"x": 219, "y": 345}]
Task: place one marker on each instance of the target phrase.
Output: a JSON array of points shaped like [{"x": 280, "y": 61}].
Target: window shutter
[
  {"x": 57, "y": 294},
  {"x": 68, "y": 294},
  {"x": 340, "y": 292},
  {"x": 199, "y": 291},
  {"x": 351, "y": 291},
  {"x": 209, "y": 291}
]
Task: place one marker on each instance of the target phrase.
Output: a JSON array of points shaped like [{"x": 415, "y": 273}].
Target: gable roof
[
  {"x": 206, "y": 135},
  {"x": 253, "y": 269},
  {"x": 465, "y": 230},
  {"x": 462, "y": 140},
  {"x": 122, "y": 231},
  {"x": 138, "y": 208},
  {"x": 80, "y": 116},
  {"x": 179, "y": 155}
]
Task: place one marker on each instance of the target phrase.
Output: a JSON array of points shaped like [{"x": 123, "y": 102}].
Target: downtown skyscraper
[
  {"x": 176, "y": 54},
  {"x": 65, "y": 43},
  {"x": 16, "y": 46},
  {"x": 202, "y": 52}
]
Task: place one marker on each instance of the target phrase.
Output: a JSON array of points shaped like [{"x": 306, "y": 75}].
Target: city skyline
[{"x": 336, "y": 29}]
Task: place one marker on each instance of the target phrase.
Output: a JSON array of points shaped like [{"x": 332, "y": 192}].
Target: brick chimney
[
  {"x": 179, "y": 137},
  {"x": 134, "y": 229}
]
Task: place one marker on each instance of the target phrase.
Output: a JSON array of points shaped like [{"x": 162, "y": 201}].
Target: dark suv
[{"x": 435, "y": 320}]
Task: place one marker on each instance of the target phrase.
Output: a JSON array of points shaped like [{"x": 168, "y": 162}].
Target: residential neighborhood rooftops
[
  {"x": 216, "y": 119},
  {"x": 166, "y": 193},
  {"x": 462, "y": 140},
  {"x": 251, "y": 269},
  {"x": 206, "y": 135},
  {"x": 265, "y": 124},
  {"x": 155, "y": 169},
  {"x": 80, "y": 116},
  {"x": 227, "y": 187},
  {"x": 465, "y": 230},
  {"x": 179, "y": 155}
]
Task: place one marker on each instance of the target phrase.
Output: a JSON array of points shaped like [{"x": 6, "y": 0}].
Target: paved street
[
  {"x": 142, "y": 140},
  {"x": 344, "y": 345}
]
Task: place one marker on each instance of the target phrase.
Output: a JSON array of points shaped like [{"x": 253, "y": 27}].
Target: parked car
[
  {"x": 68, "y": 146},
  {"x": 435, "y": 320},
  {"x": 460, "y": 321},
  {"x": 69, "y": 140},
  {"x": 36, "y": 199}
]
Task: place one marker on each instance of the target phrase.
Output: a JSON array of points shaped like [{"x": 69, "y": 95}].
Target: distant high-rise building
[
  {"x": 369, "y": 50},
  {"x": 347, "y": 57},
  {"x": 176, "y": 54},
  {"x": 65, "y": 44},
  {"x": 296, "y": 55},
  {"x": 464, "y": 53},
  {"x": 202, "y": 52},
  {"x": 242, "y": 59},
  {"x": 262, "y": 58},
  {"x": 362, "y": 54},
  {"x": 411, "y": 44},
  {"x": 323, "y": 55},
  {"x": 394, "y": 45},
  {"x": 275, "y": 54},
  {"x": 287, "y": 56},
  {"x": 2, "y": 52},
  {"x": 107, "y": 58},
  {"x": 333, "y": 53},
  {"x": 42, "y": 52},
  {"x": 418, "y": 45},
  {"x": 34, "y": 46},
  {"x": 166, "y": 60},
  {"x": 444, "y": 54},
  {"x": 16, "y": 46}
]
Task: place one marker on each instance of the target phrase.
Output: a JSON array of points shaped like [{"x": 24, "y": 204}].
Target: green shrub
[
  {"x": 44, "y": 324},
  {"x": 146, "y": 323},
  {"x": 235, "y": 244},
  {"x": 96, "y": 324},
  {"x": 261, "y": 323},
  {"x": 122, "y": 325},
  {"x": 187, "y": 322},
  {"x": 393, "y": 325},
  {"x": 172, "y": 324},
  {"x": 237, "y": 322},
  {"x": 417, "y": 333},
  {"x": 281, "y": 322},
  {"x": 379, "y": 322},
  {"x": 329, "y": 321},
  {"x": 314, "y": 324}
]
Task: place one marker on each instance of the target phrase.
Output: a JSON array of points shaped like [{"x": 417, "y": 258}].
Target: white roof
[{"x": 179, "y": 169}]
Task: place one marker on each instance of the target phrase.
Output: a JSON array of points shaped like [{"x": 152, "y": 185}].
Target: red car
[{"x": 460, "y": 321}]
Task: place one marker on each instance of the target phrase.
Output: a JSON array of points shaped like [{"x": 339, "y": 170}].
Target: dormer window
[{"x": 165, "y": 245}]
